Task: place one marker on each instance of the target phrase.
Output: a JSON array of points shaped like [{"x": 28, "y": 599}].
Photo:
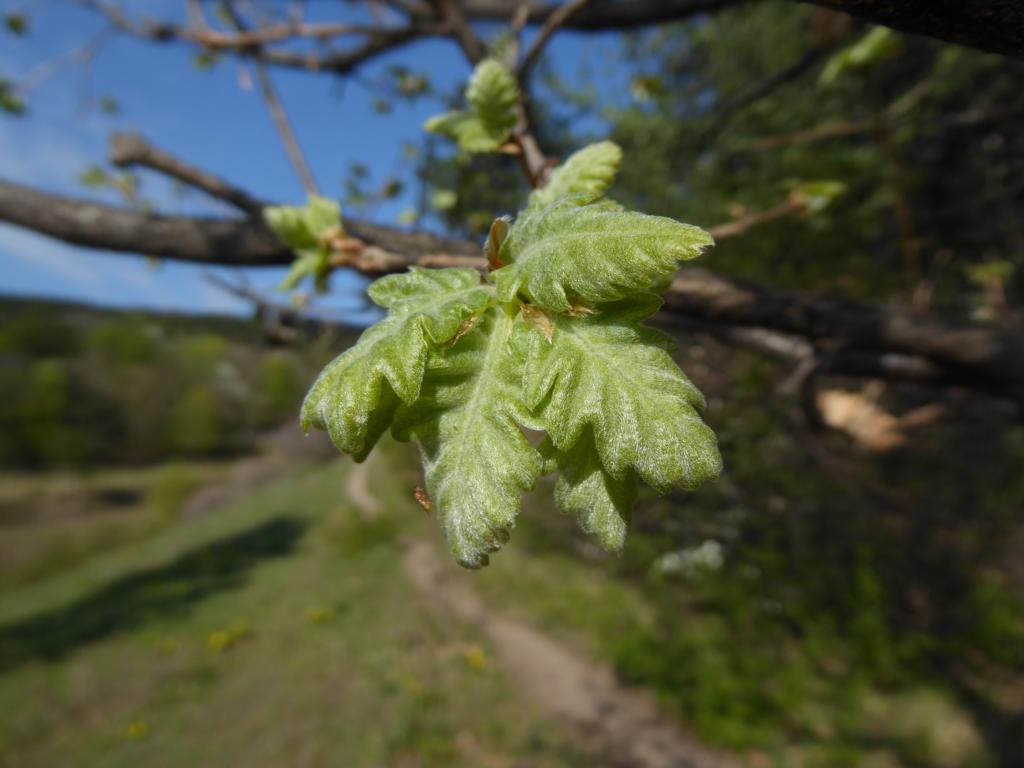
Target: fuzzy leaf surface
[
  {"x": 356, "y": 395},
  {"x": 608, "y": 373},
  {"x": 588, "y": 173},
  {"x": 601, "y": 503},
  {"x": 445, "y": 297},
  {"x": 477, "y": 463},
  {"x": 594, "y": 253}
]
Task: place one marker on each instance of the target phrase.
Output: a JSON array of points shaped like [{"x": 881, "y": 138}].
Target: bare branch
[
  {"x": 284, "y": 128},
  {"x": 991, "y": 25},
  {"x": 254, "y": 44},
  {"x": 744, "y": 224},
  {"x": 554, "y": 22},
  {"x": 451, "y": 12},
  {"x": 602, "y": 14},
  {"x": 132, "y": 149}
]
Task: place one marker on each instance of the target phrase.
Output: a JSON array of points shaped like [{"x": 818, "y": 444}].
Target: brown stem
[
  {"x": 284, "y": 128},
  {"x": 132, "y": 149}
]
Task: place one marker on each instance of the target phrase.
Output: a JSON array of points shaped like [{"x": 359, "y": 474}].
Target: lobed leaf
[
  {"x": 477, "y": 463},
  {"x": 601, "y": 503},
  {"x": 587, "y": 173},
  {"x": 608, "y": 373},
  {"x": 356, "y": 395},
  {"x": 566, "y": 252},
  {"x": 354, "y": 398},
  {"x": 446, "y": 298}
]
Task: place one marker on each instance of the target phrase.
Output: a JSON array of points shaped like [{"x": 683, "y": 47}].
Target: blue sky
[{"x": 213, "y": 120}]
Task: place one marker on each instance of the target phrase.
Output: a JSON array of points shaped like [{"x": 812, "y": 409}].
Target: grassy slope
[
  {"x": 278, "y": 631},
  {"x": 331, "y": 657}
]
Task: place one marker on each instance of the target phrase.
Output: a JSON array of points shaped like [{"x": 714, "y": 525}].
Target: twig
[
  {"x": 248, "y": 43},
  {"x": 277, "y": 111},
  {"x": 284, "y": 128},
  {"x": 742, "y": 225},
  {"x": 131, "y": 149},
  {"x": 893, "y": 111},
  {"x": 279, "y": 321},
  {"x": 759, "y": 90},
  {"x": 451, "y": 13},
  {"x": 551, "y": 26},
  {"x": 517, "y": 24},
  {"x": 46, "y": 69}
]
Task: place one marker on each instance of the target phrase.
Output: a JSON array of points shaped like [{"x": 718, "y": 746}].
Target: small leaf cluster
[
  {"x": 492, "y": 97},
  {"x": 10, "y": 101},
  {"x": 552, "y": 341},
  {"x": 310, "y": 231}
]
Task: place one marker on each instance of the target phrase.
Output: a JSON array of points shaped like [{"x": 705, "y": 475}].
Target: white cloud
[
  {"x": 36, "y": 253},
  {"x": 38, "y": 155}
]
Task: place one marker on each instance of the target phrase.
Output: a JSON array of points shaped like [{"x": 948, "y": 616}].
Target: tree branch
[
  {"x": 972, "y": 356},
  {"x": 451, "y": 12},
  {"x": 132, "y": 149},
  {"x": 559, "y": 18},
  {"x": 284, "y": 128},
  {"x": 600, "y": 15},
  {"x": 996, "y": 26},
  {"x": 990, "y": 25}
]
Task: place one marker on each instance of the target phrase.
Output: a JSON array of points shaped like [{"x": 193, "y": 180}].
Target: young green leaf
[
  {"x": 447, "y": 298},
  {"x": 355, "y": 396},
  {"x": 477, "y": 463},
  {"x": 307, "y": 230},
  {"x": 609, "y": 373},
  {"x": 492, "y": 96},
  {"x": 567, "y": 252},
  {"x": 601, "y": 503},
  {"x": 587, "y": 173}
]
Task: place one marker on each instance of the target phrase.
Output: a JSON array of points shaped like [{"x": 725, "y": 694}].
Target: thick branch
[
  {"x": 969, "y": 355},
  {"x": 601, "y": 14},
  {"x": 216, "y": 241},
  {"x": 991, "y": 25}
]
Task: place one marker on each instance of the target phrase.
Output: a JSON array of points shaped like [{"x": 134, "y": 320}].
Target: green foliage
[
  {"x": 310, "y": 231},
  {"x": 355, "y": 397},
  {"x": 205, "y": 61},
  {"x": 124, "y": 342},
  {"x": 280, "y": 388},
  {"x": 492, "y": 96},
  {"x": 567, "y": 253},
  {"x": 10, "y": 101},
  {"x": 16, "y": 24},
  {"x": 588, "y": 172},
  {"x": 196, "y": 422},
  {"x": 870, "y": 49},
  {"x": 554, "y": 344}
]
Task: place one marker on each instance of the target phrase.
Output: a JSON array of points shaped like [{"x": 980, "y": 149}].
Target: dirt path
[
  {"x": 623, "y": 725},
  {"x": 358, "y": 488}
]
